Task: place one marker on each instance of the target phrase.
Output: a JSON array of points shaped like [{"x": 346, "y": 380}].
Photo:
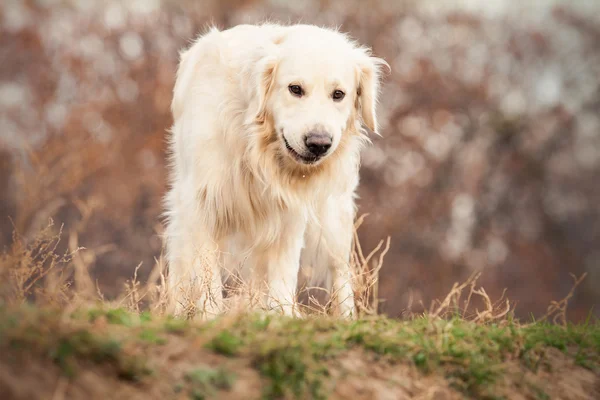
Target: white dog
[{"x": 264, "y": 162}]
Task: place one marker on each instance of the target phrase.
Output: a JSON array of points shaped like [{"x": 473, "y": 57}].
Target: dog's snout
[{"x": 318, "y": 143}]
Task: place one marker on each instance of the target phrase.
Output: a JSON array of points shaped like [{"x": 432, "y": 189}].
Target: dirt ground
[{"x": 355, "y": 375}]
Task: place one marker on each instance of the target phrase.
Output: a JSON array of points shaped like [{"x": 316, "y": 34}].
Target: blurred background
[{"x": 489, "y": 158}]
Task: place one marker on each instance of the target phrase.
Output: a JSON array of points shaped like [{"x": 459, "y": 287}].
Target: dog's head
[{"x": 316, "y": 86}]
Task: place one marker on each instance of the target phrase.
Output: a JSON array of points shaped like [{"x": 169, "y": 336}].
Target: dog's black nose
[{"x": 317, "y": 143}]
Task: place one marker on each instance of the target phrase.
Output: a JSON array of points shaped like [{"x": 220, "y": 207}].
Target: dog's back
[{"x": 217, "y": 60}]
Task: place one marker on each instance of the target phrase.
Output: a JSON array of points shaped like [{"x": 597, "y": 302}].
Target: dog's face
[
  {"x": 311, "y": 104},
  {"x": 314, "y": 89}
]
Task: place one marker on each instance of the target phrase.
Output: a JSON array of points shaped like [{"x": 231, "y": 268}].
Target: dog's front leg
[
  {"x": 283, "y": 262},
  {"x": 194, "y": 272},
  {"x": 338, "y": 232},
  {"x": 343, "y": 294}
]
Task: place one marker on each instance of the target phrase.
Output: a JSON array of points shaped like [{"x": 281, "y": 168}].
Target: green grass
[
  {"x": 293, "y": 355},
  {"x": 205, "y": 381},
  {"x": 42, "y": 332}
]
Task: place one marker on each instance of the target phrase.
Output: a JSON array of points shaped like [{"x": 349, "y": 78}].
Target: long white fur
[{"x": 238, "y": 201}]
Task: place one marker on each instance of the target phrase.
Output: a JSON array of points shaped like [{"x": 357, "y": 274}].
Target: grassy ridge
[{"x": 294, "y": 358}]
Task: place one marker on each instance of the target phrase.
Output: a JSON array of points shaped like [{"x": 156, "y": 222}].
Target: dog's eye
[
  {"x": 296, "y": 90},
  {"x": 338, "y": 95}
]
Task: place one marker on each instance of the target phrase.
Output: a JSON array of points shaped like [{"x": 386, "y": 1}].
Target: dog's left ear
[{"x": 369, "y": 78}]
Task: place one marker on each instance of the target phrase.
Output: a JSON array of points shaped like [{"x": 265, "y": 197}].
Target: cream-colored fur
[{"x": 240, "y": 200}]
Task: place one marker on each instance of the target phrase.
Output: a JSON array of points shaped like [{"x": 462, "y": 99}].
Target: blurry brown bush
[{"x": 489, "y": 159}]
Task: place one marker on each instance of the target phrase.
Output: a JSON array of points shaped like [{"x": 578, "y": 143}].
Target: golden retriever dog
[{"x": 269, "y": 121}]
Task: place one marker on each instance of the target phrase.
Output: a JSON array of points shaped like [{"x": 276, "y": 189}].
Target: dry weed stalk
[
  {"x": 450, "y": 305},
  {"x": 557, "y": 310},
  {"x": 84, "y": 285},
  {"x": 156, "y": 287},
  {"x": 152, "y": 296},
  {"x": 34, "y": 269},
  {"x": 132, "y": 292},
  {"x": 24, "y": 266},
  {"x": 366, "y": 272}
]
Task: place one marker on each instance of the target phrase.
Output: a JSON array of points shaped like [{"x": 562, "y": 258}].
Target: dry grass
[
  {"x": 453, "y": 303},
  {"x": 557, "y": 310},
  {"x": 33, "y": 269},
  {"x": 36, "y": 270},
  {"x": 42, "y": 270},
  {"x": 366, "y": 272}
]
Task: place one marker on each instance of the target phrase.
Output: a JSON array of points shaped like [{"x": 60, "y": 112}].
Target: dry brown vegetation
[{"x": 38, "y": 270}]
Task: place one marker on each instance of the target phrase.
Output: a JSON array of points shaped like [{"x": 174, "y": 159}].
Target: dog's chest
[{"x": 246, "y": 208}]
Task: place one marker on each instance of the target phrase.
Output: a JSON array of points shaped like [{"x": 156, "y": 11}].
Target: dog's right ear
[{"x": 264, "y": 77}]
